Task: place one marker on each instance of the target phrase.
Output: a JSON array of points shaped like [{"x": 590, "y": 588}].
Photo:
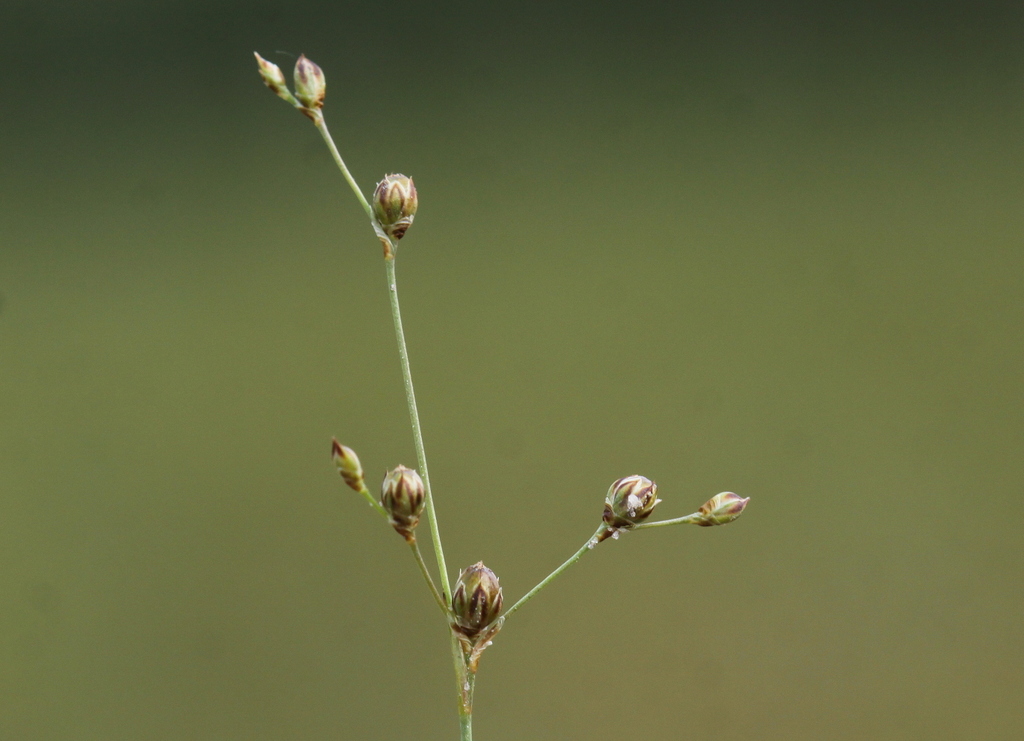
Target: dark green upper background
[{"x": 773, "y": 249}]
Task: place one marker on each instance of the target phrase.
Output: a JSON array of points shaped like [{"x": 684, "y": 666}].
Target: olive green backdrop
[{"x": 769, "y": 248}]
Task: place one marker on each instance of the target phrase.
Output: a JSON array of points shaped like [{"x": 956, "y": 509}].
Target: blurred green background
[{"x": 769, "y": 248}]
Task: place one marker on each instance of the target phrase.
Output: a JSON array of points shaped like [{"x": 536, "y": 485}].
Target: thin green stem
[
  {"x": 426, "y": 575},
  {"x": 695, "y": 519},
  {"x": 588, "y": 546},
  {"x": 373, "y": 502},
  {"x": 321, "y": 126},
  {"x": 465, "y": 681},
  {"x": 414, "y": 418},
  {"x": 465, "y": 674},
  {"x": 466, "y": 710},
  {"x": 463, "y": 688},
  {"x": 403, "y": 353}
]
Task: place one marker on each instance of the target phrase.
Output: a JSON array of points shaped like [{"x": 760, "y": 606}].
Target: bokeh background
[{"x": 774, "y": 248}]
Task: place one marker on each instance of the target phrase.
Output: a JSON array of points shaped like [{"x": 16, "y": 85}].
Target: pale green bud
[
  {"x": 273, "y": 78},
  {"x": 722, "y": 509},
  {"x": 402, "y": 495},
  {"x": 348, "y": 464},
  {"x": 394, "y": 204},
  {"x": 476, "y": 599},
  {"x": 310, "y": 86}
]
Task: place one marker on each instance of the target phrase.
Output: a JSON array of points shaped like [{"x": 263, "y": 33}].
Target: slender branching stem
[
  {"x": 695, "y": 519},
  {"x": 588, "y": 546},
  {"x": 465, "y": 649},
  {"x": 426, "y": 575},
  {"x": 321, "y": 126},
  {"x": 414, "y": 418}
]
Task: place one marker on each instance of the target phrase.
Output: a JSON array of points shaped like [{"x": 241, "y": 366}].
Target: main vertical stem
[
  {"x": 467, "y": 682},
  {"x": 414, "y": 418},
  {"x": 463, "y": 678}
]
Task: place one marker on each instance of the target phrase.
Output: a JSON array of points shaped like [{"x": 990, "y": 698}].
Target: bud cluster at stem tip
[
  {"x": 630, "y": 501},
  {"x": 721, "y": 509},
  {"x": 476, "y": 599},
  {"x": 403, "y": 496},
  {"x": 395, "y": 204},
  {"x": 310, "y": 85}
]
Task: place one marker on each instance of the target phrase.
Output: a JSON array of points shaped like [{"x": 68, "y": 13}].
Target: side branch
[{"x": 587, "y": 547}]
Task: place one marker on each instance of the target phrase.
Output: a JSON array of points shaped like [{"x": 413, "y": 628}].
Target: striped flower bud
[
  {"x": 630, "y": 500},
  {"x": 402, "y": 495},
  {"x": 722, "y": 509},
  {"x": 394, "y": 204},
  {"x": 348, "y": 464},
  {"x": 310, "y": 86},
  {"x": 476, "y": 599}
]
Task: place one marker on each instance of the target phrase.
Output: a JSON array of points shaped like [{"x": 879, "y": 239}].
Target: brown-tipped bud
[
  {"x": 272, "y": 75},
  {"x": 310, "y": 86},
  {"x": 273, "y": 78},
  {"x": 395, "y": 204},
  {"x": 348, "y": 464},
  {"x": 403, "y": 495},
  {"x": 630, "y": 501},
  {"x": 722, "y": 509},
  {"x": 476, "y": 599}
]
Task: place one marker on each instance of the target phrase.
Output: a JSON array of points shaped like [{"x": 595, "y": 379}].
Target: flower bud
[
  {"x": 403, "y": 495},
  {"x": 348, "y": 464},
  {"x": 310, "y": 85},
  {"x": 476, "y": 599},
  {"x": 394, "y": 204},
  {"x": 273, "y": 78},
  {"x": 630, "y": 501},
  {"x": 722, "y": 509},
  {"x": 272, "y": 75}
]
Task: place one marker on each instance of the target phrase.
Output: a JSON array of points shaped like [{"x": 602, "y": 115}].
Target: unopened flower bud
[
  {"x": 403, "y": 495},
  {"x": 273, "y": 78},
  {"x": 476, "y": 599},
  {"x": 722, "y": 509},
  {"x": 394, "y": 204},
  {"x": 310, "y": 85},
  {"x": 348, "y": 464},
  {"x": 630, "y": 501}
]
